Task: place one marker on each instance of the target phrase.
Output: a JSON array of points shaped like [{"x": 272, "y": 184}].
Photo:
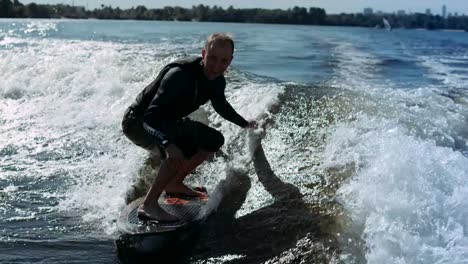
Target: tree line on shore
[{"x": 296, "y": 15}]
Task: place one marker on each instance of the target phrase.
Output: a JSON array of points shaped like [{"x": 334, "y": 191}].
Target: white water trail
[{"x": 405, "y": 194}]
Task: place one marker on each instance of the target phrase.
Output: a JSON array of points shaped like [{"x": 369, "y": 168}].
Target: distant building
[
  {"x": 401, "y": 12},
  {"x": 380, "y": 13},
  {"x": 444, "y": 11},
  {"x": 428, "y": 11},
  {"x": 368, "y": 11},
  {"x": 455, "y": 14}
]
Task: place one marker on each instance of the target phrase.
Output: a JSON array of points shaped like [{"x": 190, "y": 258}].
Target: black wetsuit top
[{"x": 180, "y": 89}]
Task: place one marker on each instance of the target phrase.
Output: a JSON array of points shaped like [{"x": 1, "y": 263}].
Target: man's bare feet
[
  {"x": 155, "y": 213},
  {"x": 182, "y": 189}
]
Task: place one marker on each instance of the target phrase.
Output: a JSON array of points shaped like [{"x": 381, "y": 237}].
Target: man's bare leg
[
  {"x": 177, "y": 184},
  {"x": 150, "y": 207}
]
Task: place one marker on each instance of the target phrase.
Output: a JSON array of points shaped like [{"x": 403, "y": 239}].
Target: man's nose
[{"x": 219, "y": 65}]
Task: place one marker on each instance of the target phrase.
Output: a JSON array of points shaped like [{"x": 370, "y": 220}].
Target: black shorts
[{"x": 190, "y": 136}]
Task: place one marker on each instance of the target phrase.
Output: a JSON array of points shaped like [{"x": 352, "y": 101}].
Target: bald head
[
  {"x": 221, "y": 40},
  {"x": 217, "y": 55}
]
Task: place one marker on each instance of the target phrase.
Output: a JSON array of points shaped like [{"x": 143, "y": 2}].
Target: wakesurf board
[{"x": 189, "y": 210}]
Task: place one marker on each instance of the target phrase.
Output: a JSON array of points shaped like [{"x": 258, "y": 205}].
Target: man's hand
[{"x": 252, "y": 124}]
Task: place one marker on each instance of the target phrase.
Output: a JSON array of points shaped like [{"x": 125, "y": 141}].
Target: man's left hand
[{"x": 252, "y": 124}]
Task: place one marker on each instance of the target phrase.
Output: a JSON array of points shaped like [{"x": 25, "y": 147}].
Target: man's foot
[
  {"x": 155, "y": 214},
  {"x": 183, "y": 190}
]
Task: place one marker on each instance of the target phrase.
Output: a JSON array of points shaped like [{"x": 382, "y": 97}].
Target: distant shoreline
[
  {"x": 136, "y": 20},
  {"x": 202, "y": 13}
]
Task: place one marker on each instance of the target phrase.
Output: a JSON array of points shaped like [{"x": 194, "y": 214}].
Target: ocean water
[{"x": 363, "y": 159}]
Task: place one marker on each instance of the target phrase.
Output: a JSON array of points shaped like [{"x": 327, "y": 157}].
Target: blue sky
[{"x": 331, "y": 6}]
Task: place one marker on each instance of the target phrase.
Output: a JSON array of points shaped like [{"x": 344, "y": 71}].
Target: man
[{"x": 158, "y": 121}]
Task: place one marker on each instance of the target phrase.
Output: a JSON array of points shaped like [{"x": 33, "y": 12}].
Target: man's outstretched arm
[{"x": 224, "y": 109}]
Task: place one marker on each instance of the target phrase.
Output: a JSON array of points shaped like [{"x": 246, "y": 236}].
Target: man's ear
[{"x": 203, "y": 53}]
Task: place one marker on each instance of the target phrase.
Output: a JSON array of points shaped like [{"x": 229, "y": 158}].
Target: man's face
[{"x": 216, "y": 59}]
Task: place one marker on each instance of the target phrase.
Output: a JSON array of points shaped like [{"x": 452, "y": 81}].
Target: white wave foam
[
  {"x": 10, "y": 189},
  {"x": 64, "y": 100},
  {"x": 406, "y": 194},
  {"x": 101, "y": 188},
  {"x": 40, "y": 27},
  {"x": 434, "y": 112},
  {"x": 440, "y": 69},
  {"x": 9, "y": 41},
  {"x": 355, "y": 68}
]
